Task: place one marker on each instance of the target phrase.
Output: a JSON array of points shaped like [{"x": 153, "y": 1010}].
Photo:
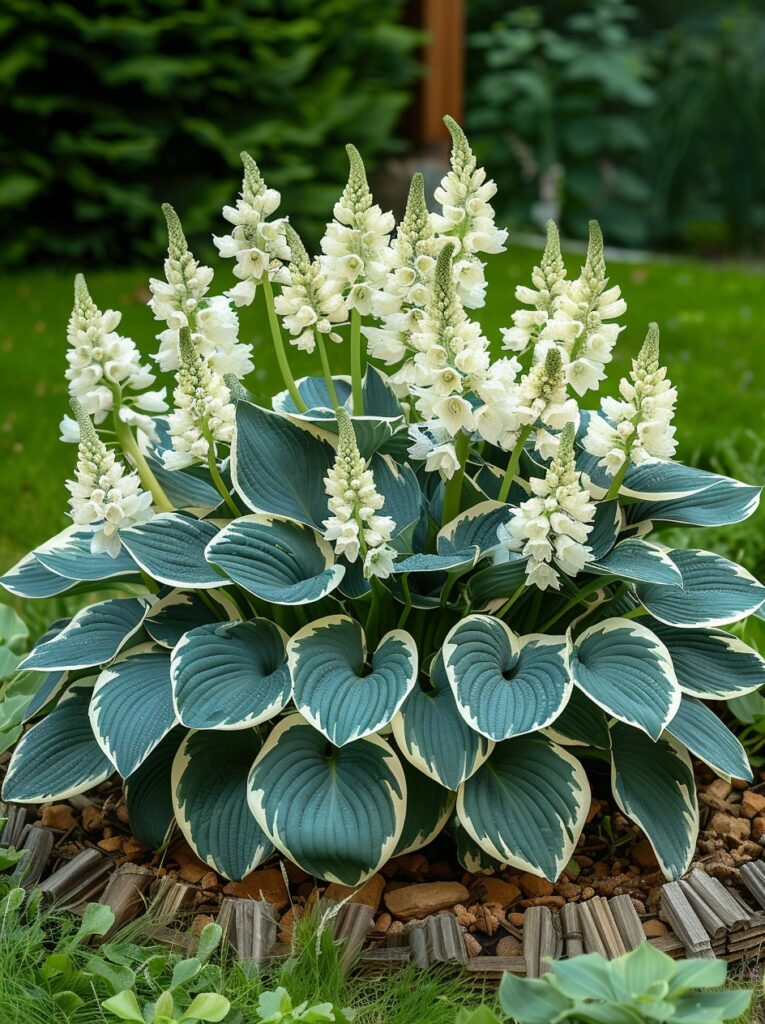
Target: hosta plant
[{"x": 426, "y": 594}]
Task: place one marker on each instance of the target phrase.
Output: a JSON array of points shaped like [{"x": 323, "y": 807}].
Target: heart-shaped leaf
[
  {"x": 653, "y": 785},
  {"x": 149, "y": 792},
  {"x": 276, "y": 560},
  {"x": 210, "y": 798},
  {"x": 182, "y": 610},
  {"x": 714, "y": 591},
  {"x": 335, "y": 689},
  {"x": 433, "y": 735},
  {"x": 702, "y": 732},
  {"x": 505, "y": 685},
  {"x": 428, "y": 808},
  {"x": 58, "y": 757},
  {"x": 279, "y": 468},
  {"x": 171, "y": 548},
  {"x": 230, "y": 675},
  {"x": 638, "y": 560},
  {"x": 93, "y": 637},
  {"x": 628, "y": 672},
  {"x": 139, "y": 679},
  {"x": 476, "y": 527},
  {"x": 527, "y": 804},
  {"x": 337, "y": 813}
]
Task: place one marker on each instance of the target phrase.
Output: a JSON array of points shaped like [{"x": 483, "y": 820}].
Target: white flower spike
[
  {"x": 311, "y": 303},
  {"x": 354, "y": 526},
  {"x": 104, "y": 493},
  {"x": 553, "y": 526},
  {"x": 550, "y": 285},
  {"x": 176, "y": 299}
]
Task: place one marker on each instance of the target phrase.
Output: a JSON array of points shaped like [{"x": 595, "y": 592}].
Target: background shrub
[{"x": 110, "y": 107}]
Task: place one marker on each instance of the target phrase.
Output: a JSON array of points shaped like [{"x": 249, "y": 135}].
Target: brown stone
[
  {"x": 472, "y": 946},
  {"x": 295, "y": 874},
  {"x": 644, "y": 856},
  {"x": 111, "y": 845},
  {"x": 425, "y": 898},
  {"x": 509, "y": 946},
  {"x": 286, "y": 925},
  {"x": 200, "y": 922},
  {"x": 553, "y": 902},
  {"x": 730, "y": 827},
  {"x": 134, "y": 849},
  {"x": 752, "y": 804},
  {"x": 570, "y": 891},
  {"x": 369, "y": 894},
  {"x": 383, "y": 923},
  {"x": 495, "y": 890},
  {"x": 719, "y": 788},
  {"x": 210, "y": 882},
  {"x": 533, "y": 886},
  {"x": 266, "y": 884},
  {"x": 516, "y": 920},
  {"x": 653, "y": 929},
  {"x": 92, "y": 818},
  {"x": 58, "y": 816},
  {"x": 593, "y": 811},
  {"x": 758, "y": 826},
  {"x": 122, "y": 814}
]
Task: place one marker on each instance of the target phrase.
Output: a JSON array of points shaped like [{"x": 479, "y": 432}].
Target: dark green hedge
[{"x": 110, "y": 107}]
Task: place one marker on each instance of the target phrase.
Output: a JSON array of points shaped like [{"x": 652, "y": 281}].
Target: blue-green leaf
[
  {"x": 653, "y": 480},
  {"x": 230, "y": 675},
  {"x": 580, "y": 724},
  {"x": 182, "y": 610},
  {"x": 171, "y": 548},
  {"x": 702, "y": 732},
  {"x": 401, "y": 492},
  {"x": 418, "y": 563},
  {"x": 638, "y": 560},
  {"x": 338, "y": 814},
  {"x": 725, "y": 502},
  {"x": 333, "y": 686},
  {"x": 210, "y": 798},
  {"x": 527, "y": 804},
  {"x": 149, "y": 792},
  {"x": 29, "y": 578},
  {"x": 710, "y": 662},
  {"x": 605, "y": 528},
  {"x": 433, "y": 735},
  {"x": 279, "y": 468},
  {"x": 132, "y": 706},
  {"x": 277, "y": 560},
  {"x": 505, "y": 685},
  {"x": 59, "y": 757},
  {"x": 428, "y": 808},
  {"x": 475, "y": 527},
  {"x": 94, "y": 636},
  {"x": 501, "y": 579},
  {"x": 627, "y": 671},
  {"x": 714, "y": 591},
  {"x": 653, "y": 784},
  {"x": 68, "y": 554}
]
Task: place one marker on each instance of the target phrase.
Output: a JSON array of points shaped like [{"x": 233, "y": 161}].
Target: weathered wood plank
[
  {"x": 713, "y": 926},
  {"x": 685, "y": 923},
  {"x": 82, "y": 878},
  {"x": 250, "y": 927},
  {"x": 571, "y": 929},
  {"x": 718, "y": 899},
  {"x": 627, "y": 921}
]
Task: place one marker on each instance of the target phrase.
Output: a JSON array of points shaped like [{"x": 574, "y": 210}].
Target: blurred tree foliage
[
  {"x": 649, "y": 116},
  {"x": 110, "y": 107}
]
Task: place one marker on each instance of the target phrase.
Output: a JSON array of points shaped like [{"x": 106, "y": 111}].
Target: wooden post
[{"x": 443, "y": 87}]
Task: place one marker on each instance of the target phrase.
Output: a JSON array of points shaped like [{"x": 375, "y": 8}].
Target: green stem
[
  {"x": 373, "y": 615},
  {"x": 130, "y": 447},
  {"x": 453, "y": 489},
  {"x": 590, "y": 588},
  {"x": 512, "y": 465},
  {"x": 617, "y": 481},
  {"x": 634, "y": 614},
  {"x": 326, "y": 371},
  {"x": 407, "y": 600},
  {"x": 511, "y": 601},
  {"x": 451, "y": 579},
  {"x": 358, "y": 396},
  {"x": 218, "y": 479},
  {"x": 281, "y": 354}
]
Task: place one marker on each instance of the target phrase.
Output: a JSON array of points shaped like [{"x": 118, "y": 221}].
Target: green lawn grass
[{"x": 710, "y": 318}]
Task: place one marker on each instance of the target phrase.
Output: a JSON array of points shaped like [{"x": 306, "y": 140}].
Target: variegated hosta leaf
[
  {"x": 458, "y": 562},
  {"x": 638, "y": 560},
  {"x": 275, "y": 559},
  {"x": 475, "y": 527},
  {"x": 337, "y": 813},
  {"x": 505, "y": 685},
  {"x": 230, "y": 675},
  {"x": 501, "y": 579},
  {"x": 628, "y": 672},
  {"x": 710, "y": 663},
  {"x": 580, "y": 724},
  {"x": 469, "y": 853},
  {"x": 335, "y": 689},
  {"x": 428, "y": 807},
  {"x": 278, "y": 468},
  {"x": 605, "y": 527},
  {"x": 68, "y": 554},
  {"x": 527, "y": 804},
  {"x": 132, "y": 706},
  {"x": 149, "y": 792},
  {"x": 653, "y": 785},
  {"x": 315, "y": 394},
  {"x": 699, "y": 729},
  {"x": 714, "y": 591},
  {"x": 400, "y": 490},
  {"x": 94, "y": 636},
  {"x": 58, "y": 757},
  {"x": 433, "y": 735},
  {"x": 183, "y": 610},
  {"x": 29, "y": 578},
  {"x": 170, "y": 547},
  {"x": 51, "y": 685},
  {"x": 727, "y": 501},
  {"x": 653, "y": 480},
  {"x": 210, "y": 798}
]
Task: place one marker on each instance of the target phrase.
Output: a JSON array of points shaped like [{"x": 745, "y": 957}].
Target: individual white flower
[
  {"x": 354, "y": 526},
  {"x": 104, "y": 494},
  {"x": 311, "y": 304},
  {"x": 639, "y": 426},
  {"x": 550, "y": 284},
  {"x": 204, "y": 413},
  {"x": 258, "y": 245},
  {"x": 103, "y": 363},
  {"x": 176, "y": 299},
  {"x": 542, "y": 396},
  {"x": 356, "y": 241},
  {"x": 553, "y": 525},
  {"x": 215, "y": 334},
  {"x": 467, "y": 216}
]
